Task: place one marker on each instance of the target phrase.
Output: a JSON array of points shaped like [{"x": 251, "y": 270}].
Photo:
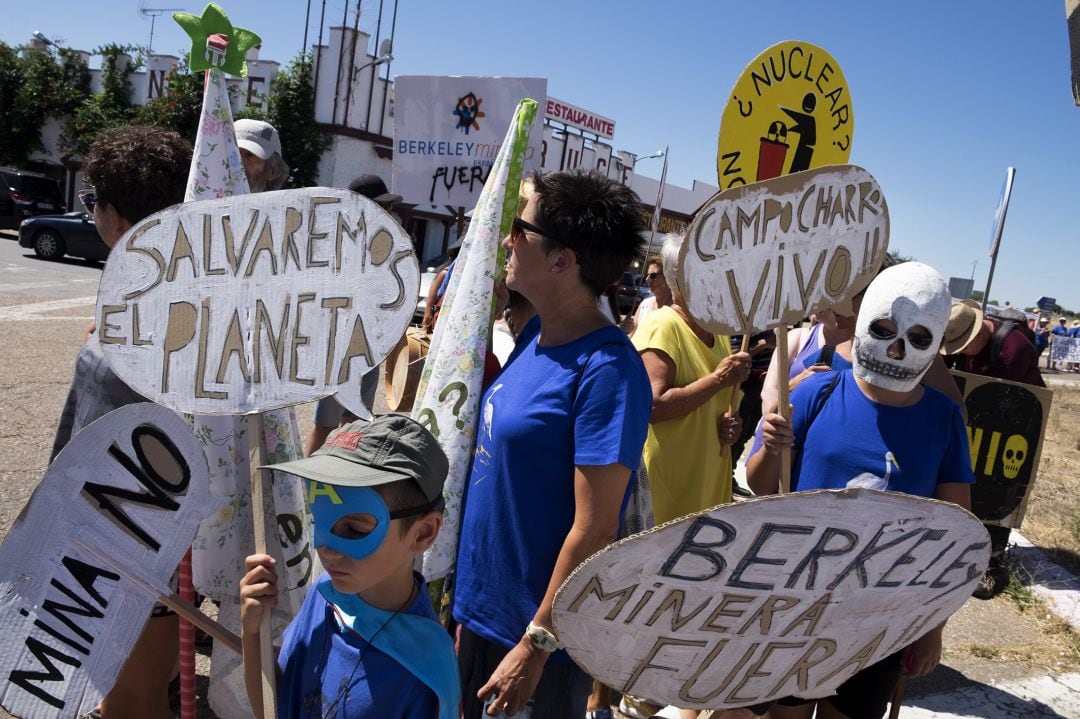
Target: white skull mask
[{"x": 900, "y": 326}]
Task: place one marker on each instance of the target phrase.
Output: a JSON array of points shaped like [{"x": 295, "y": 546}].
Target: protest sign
[
  {"x": 448, "y": 132},
  {"x": 1064, "y": 349},
  {"x": 253, "y": 302},
  {"x": 132, "y": 486},
  {"x": 789, "y": 111},
  {"x": 1006, "y": 422},
  {"x": 769, "y": 254},
  {"x": 786, "y": 595}
]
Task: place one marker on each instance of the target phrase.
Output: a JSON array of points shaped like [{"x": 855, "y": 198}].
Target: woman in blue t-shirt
[
  {"x": 875, "y": 426},
  {"x": 561, "y": 431}
]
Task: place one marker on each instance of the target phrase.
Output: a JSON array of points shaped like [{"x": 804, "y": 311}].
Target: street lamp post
[{"x": 384, "y": 58}]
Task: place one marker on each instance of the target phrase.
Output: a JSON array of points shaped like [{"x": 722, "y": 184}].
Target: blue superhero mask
[{"x": 330, "y": 502}]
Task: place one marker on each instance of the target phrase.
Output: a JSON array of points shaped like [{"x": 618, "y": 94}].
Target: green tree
[
  {"x": 180, "y": 106},
  {"x": 111, "y": 107},
  {"x": 291, "y": 112},
  {"x": 33, "y": 88}
]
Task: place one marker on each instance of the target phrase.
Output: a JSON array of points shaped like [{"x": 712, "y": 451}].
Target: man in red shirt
[{"x": 992, "y": 347}]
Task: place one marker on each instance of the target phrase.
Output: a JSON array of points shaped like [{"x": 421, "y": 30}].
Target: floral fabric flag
[
  {"x": 225, "y": 539},
  {"x": 451, "y": 382}
]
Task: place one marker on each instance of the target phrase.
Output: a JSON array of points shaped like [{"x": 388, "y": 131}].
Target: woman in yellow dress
[{"x": 693, "y": 373}]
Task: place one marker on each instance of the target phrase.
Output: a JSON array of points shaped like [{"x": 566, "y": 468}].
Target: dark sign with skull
[{"x": 1006, "y": 422}]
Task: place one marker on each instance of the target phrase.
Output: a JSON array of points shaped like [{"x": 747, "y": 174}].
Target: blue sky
[{"x": 946, "y": 95}]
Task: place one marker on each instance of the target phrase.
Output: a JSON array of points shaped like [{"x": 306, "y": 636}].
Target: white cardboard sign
[
  {"x": 779, "y": 596},
  {"x": 133, "y": 486},
  {"x": 763, "y": 255},
  {"x": 254, "y": 302}
]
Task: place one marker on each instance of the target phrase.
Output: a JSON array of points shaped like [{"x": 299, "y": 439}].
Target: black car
[
  {"x": 26, "y": 194},
  {"x": 632, "y": 290},
  {"x": 53, "y": 236}
]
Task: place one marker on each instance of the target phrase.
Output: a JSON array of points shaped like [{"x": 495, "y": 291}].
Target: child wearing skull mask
[{"x": 875, "y": 426}]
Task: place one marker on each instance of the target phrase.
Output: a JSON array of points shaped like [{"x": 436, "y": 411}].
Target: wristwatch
[{"x": 541, "y": 638}]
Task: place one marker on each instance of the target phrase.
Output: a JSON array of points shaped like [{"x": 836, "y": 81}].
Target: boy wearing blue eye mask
[{"x": 366, "y": 642}]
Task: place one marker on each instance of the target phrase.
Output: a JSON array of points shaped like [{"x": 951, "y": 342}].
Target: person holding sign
[
  {"x": 560, "y": 436},
  {"x": 875, "y": 426},
  {"x": 366, "y": 643},
  {"x": 693, "y": 374},
  {"x": 133, "y": 172}
]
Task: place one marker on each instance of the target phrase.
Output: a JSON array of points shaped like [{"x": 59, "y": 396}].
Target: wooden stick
[
  {"x": 188, "y": 611},
  {"x": 175, "y": 602},
  {"x": 256, "y": 458},
  {"x": 897, "y": 697},
  {"x": 735, "y": 394},
  {"x": 785, "y": 411}
]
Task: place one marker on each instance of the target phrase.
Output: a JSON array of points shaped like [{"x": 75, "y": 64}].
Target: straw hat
[{"x": 965, "y": 321}]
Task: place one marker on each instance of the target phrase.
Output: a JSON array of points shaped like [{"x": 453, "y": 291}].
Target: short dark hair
[
  {"x": 138, "y": 169},
  {"x": 599, "y": 219},
  {"x": 406, "y": 494}
]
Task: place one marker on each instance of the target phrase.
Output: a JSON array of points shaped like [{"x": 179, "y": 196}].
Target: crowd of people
[{"x": 580, "y": 422}]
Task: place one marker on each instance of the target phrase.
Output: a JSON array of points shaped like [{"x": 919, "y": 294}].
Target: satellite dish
[{"x": 385, "y": 47}]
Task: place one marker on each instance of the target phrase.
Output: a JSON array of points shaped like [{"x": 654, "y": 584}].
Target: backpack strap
[
  {"x": 822, "y": 399},
  {"x": 998, "y": 339}
]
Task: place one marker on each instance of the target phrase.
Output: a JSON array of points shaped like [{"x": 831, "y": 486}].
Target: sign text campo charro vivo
[
  {"x": 767, "y": 254},
  {"x": 253, "y": 302},
  {"x": 132, "y": 485},
  {"x": 787, "y": 595}
]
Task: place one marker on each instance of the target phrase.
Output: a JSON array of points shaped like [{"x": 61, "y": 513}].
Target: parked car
[
  {"x": 53, "y": 236},
  {"x": 426, "y": 278},
  {"x": 26, "y": 194},
  {"x": 632, "y": 290}
]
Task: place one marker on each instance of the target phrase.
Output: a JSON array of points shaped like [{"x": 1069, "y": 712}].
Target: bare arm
[
  {"x": 671, "y": 402},
  {"x": 429, "y": 305},
  {"x": 770, "y": 390},
  {"x": 598, "y": 493}
]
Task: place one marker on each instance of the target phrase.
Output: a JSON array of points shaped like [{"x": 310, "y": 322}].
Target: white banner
[
  {"x": 114, "y": 514},
  {"x": 1064, "y": 349},
  {"x": 448, "y": 131}
]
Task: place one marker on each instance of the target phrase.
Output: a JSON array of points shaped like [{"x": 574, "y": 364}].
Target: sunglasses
[
  {"x": 521, "y": 227},
  {"x": 652, "y": 277},
  {"x": 89, "y": 199}
]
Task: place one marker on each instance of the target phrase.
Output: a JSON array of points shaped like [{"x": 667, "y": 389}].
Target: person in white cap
[{"x": 260, "y": 151}]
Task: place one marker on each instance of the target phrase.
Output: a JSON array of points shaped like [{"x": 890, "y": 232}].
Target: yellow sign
[{"x": 790, "y": 111}]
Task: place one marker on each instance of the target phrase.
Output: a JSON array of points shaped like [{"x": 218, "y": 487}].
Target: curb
[{"x": 1048, "y": 581}]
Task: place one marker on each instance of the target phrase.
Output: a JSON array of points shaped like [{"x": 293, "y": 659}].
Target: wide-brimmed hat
[
  {"x": 387, "y": 449},
  {"x": 965, "y": 321},
  {"x": 257, "y": 137}
]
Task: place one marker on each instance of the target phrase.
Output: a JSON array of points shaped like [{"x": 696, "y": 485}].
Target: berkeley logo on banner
[{"x": 448, "y": 131}]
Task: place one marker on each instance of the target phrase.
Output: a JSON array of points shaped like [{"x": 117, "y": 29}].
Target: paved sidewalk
[{"x": 1034, "y": 698}]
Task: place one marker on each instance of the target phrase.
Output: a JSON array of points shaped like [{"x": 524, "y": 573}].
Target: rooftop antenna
[{"x": 153, "y": 13}]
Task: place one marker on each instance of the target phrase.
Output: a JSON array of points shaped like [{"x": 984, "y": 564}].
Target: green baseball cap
[{"x": 387, "y": 449}]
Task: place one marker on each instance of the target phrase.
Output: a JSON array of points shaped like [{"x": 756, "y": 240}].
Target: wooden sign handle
[
  {"x": 736, "y": 395},
  {"x": 897, "y": 697},
  {"x": 782, "y": 370},
  {"x": 257, "y": 458}
]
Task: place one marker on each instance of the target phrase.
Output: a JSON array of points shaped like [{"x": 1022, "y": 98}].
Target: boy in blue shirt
[{"x": 366, "y": 642}]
